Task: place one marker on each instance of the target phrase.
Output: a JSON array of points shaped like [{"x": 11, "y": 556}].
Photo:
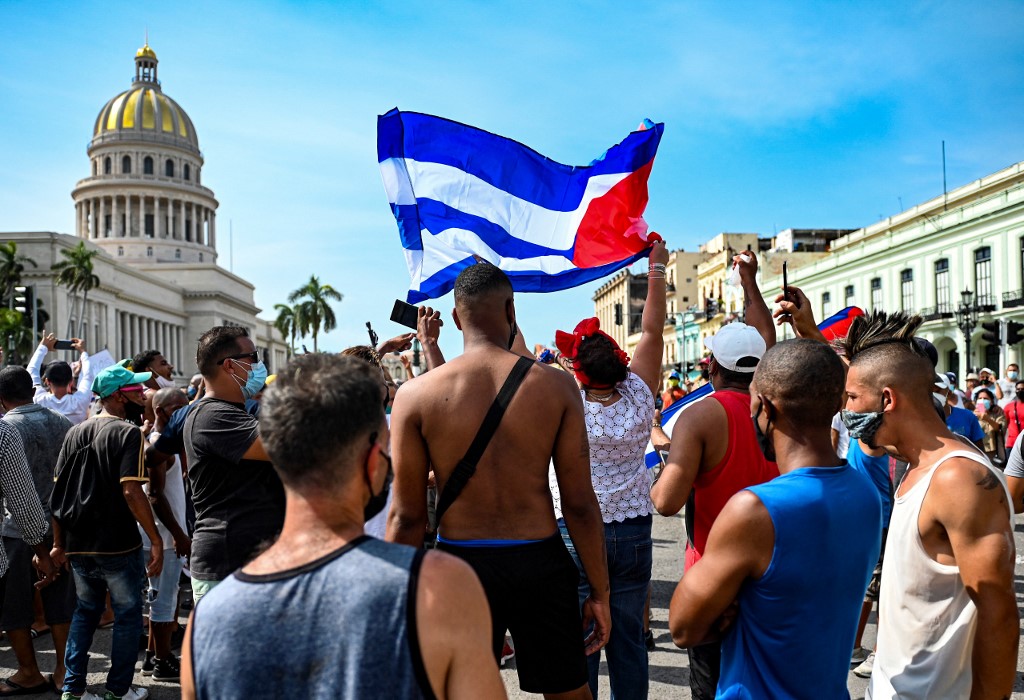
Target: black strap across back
[{"x": 466, "y": 467}]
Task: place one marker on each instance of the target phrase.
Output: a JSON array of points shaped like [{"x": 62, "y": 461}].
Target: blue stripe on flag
[
  {"x": 436, "y": 217},
  {"x": 669, "y": 416},
  {"x": 443, "y": 281},
  {"x": 506, "y": 164}
]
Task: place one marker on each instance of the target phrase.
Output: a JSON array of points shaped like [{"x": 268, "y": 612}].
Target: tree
[
  {"x": 15, "y": 335},
  {"x": 75, "y": 273},
  {"x": 314, "y": 312},
  {"x": 12, "y": 267},
  {"x": 286, "y": 324}
]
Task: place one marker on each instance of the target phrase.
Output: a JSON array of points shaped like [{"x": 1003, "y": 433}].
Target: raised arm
[
  {"x": 797, "y": 312},
  {"x": 428, "y": 330},
  {"x": 756, "y": 312},
  {"x": 968, "y": 501},
  {"x": 739, "y": 547},
  {"x": 646, "y": 362},
  {"x": 685, "y": 456},
  {"x": 37, "y": 360},
  {"x": 407, "y": 519}
]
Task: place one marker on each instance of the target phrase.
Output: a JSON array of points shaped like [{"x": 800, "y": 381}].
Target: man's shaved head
[
  {"x": 169, "y": 396},
  {"x": 477, "y": 283},
  {"x": 804, "y": 380}
]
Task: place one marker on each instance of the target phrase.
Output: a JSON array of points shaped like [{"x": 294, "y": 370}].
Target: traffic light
[
  {"x": 1013, "y": 332},
  {"x": 992, "y": 334},
  {"x": 24, "y": 300},
  {"x": 618, "y": 314}
]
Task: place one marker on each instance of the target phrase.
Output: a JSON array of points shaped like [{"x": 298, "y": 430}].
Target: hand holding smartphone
[{"x": 405, "y": 314}]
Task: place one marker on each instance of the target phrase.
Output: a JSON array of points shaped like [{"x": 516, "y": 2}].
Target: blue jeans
[
  {"x": 95, "y": 575},
  {"x": 629, "y": 571}
]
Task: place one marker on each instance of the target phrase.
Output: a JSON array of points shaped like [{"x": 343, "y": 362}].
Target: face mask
[
  {"x": 164, "y": 383},
  {"x": 254, "y": 381},
  {"x": 862, "y": 426},
  {"x": 1011, "y": 375},
  {"x": 1020, "y": 395},
  {"x": 705, "y": 375},
  {"x": 763, "y": 441},
  {"x": 133, "y": 413},
  {"x": 377, "y": 501},
  {"x": 941, "y": 398},
  {"x": 986, "y": 403}
]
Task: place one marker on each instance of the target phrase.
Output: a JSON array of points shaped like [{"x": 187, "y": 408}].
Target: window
[
  {"x": 177, "y": 253},
  {"x": 149, "y": 251},
  {"x": 106, "y": 165},
  {"x": 120, "y": 250},
  {"x": 876, "y": 293},
  {"x": 188, "y": 171},
  {"x": 826, "y": 304},
  {"x": 907, "y": 289},
  {"x": 942, "y": 301},
  {"x": 147, "y": 166},
  {"x": 150, "y": 226},
  {"x": 126, "y": 165},
  {"x": 983, "y": 275},
  {"x": 169, "y": 168},
  {"x": 188, "y": 229},
  {"x": 848, "y": 295}
]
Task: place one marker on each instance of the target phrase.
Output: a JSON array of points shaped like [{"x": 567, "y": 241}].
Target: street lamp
[{"x": 967, "y": 320}]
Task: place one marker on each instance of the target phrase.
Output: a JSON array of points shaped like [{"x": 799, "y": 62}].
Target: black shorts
[
  {"x": 17, "y": 610},
  {"x": 532, "y": 592}
]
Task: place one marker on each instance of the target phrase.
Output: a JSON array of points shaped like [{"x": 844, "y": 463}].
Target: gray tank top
[{"x": 343, "y": 626}]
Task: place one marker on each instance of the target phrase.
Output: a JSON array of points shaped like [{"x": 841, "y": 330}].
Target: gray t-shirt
[
  {"x": 42, "y": 433},
  {"x": 1015, "y": 460}
]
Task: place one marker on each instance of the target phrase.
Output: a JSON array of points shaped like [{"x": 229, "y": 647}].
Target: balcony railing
[
  {"x": 1014, "y": 298},
  {"x": 935, "y": 313},
  {"x": 986, "y": 302}
]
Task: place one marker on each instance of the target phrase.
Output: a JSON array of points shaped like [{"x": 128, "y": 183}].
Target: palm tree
[
  {"x": 12, "y": 266},
  {"x": 75, "y": 273},
  {"x": 286, "y": 324},
  {"x": 314, "y": 313}
]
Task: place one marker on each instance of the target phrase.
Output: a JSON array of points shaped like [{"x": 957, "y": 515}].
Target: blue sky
[{"x": 777, "y": 115}]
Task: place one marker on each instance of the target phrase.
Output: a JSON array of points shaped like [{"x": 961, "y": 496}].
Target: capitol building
[{"x": 143, "y": 205}]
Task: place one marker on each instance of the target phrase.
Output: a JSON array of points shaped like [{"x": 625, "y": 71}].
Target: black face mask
[
  {"x": 705, "y": 375},
  {"x": 378, "y": 500},
  {"x": 763, "y": 440},
  {"x": 133, "y": 413},
  {"x": 1020, "y": 396}
]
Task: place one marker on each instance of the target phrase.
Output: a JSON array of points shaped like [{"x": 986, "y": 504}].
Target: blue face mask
[{"x": 254, "y": 381}]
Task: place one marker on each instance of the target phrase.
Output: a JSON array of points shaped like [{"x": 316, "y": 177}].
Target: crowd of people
[{"x": 347, "y": 533}]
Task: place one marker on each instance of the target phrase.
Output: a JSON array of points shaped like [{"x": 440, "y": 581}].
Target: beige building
[{"x": 143, "y": 207}]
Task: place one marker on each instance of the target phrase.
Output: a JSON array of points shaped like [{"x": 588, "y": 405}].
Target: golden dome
[
  {"x": 145, "y": 52},
  {"x": 143, "y": 110}
]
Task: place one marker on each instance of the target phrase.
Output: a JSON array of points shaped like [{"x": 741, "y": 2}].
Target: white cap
[
  {"x": 942, "y": 381},
  {"x": 986, "y": 369},
  {"x": 734, "y": 341}
]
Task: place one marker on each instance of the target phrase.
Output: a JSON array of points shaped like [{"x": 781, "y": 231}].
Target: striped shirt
[{"x": 18, "y": 492}]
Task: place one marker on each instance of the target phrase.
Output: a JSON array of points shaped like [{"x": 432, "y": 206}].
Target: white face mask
[{"x": 164, "y": 383}]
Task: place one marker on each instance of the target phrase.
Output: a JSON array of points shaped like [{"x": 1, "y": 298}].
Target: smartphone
[
  {"x": 63, "y": 345},
  {"x": 785, "y": 279},
  {"x": 405, "y": 314}
]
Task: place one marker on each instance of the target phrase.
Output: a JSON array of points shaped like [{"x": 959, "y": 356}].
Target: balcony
[
  {"x": 1014, "y": 298},
  {"x": 986, "y": 302},
  {"x": 937, "y": 313}
]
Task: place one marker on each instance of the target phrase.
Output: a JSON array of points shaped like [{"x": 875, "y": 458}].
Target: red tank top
[
  {"x": 1014, "y": 422},
  {"x": 742, "y": 465}
]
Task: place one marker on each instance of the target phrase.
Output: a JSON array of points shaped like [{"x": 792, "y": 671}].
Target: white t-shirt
[
  {"x": 844, "y": 436},
  {"x": 174, "y": 491},
  {"x": 618, "y": 436}
]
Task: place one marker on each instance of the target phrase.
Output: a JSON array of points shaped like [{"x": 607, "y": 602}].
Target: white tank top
[{"x": 926, "y": 620}]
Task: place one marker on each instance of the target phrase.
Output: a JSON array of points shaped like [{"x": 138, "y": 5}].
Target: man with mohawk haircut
[{"x": 948, "y": 620}]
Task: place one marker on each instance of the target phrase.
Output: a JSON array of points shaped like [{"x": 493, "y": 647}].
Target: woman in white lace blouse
[{"x": 618, "y": 398}]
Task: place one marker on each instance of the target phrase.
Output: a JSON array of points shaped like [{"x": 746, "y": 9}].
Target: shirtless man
[
  {"x": 950, "y": 544},
  {"x": 503, "y": 523}
]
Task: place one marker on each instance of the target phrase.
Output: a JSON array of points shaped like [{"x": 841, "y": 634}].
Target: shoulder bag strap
[{"x": 466, "y": 467}]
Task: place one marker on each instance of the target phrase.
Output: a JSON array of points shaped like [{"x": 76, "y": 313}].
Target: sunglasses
[{"x": 253, "y": 357}]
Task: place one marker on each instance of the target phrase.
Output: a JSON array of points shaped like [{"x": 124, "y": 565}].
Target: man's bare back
[{"x": 435, "y": 419}]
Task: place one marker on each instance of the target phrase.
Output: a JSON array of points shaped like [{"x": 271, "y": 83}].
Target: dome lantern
[{"x": 145, "y": 65}]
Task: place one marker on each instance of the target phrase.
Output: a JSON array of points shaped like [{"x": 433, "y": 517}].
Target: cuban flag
[
  {"x": 458, "y": 193},
  {"x": 833, "y": 327}
]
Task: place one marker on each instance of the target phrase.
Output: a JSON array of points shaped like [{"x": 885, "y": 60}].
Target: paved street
[{"x": 668, "y": 664}]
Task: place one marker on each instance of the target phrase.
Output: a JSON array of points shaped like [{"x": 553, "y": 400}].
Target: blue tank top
[
  {"x": 796, "y": 624},
  {"x": 343, "y": 626}
]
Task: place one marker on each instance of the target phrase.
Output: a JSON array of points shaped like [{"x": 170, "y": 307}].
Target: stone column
[
  {"x": 213, "y": 229},
  {"x": 134, "y": 338},
  {"x": 103, "y": 218},
  {"x": 127, "y": 215},
  {"x": 115, "y": 217},
  {"x": 181, "y": 220},
  {"x": 142, "y": 216}
]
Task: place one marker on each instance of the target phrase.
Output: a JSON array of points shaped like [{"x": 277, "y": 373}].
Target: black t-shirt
[
  {"x": 113, "y": 456},
  {"x": 239, "y": 502}
]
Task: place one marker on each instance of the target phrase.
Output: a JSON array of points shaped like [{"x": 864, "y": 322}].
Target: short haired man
[
  {"x": 363, "y": 618},
  {"x": 53, "y": 388},
  {"x": 155, "y": 362},
  {"x": 714, "y": 455},
  {"x": 949, "y": 553},
  {"x": 102, "y": 460},
  {"x": 503, "y": 524},
  {"x": 795, "y": 554},
  {"x": 238, "y": 497},
  {"x": 1007, "y": 383},
  {"x": 42, "y": 433}
]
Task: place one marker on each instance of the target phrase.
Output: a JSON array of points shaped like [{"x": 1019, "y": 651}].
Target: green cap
[{"x": 115, "y": 377}]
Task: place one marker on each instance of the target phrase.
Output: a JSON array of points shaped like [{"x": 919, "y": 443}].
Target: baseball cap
[
  {"x": 116, "y": 377},
  {"x": 986, "y": 369},
  {"x": 675, "y": 375},
  {"x": 942, "y": 381},
  {"x": 733, "y": 342}
]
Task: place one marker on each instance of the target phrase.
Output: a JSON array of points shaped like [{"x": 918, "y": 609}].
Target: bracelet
[
  {"x": 655, "y": 424},
  {"x": 652, "y": 276},
  {"x": 656, "y": 267}
]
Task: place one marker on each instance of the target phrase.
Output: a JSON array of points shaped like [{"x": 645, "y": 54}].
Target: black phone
[
  {"x": 785, "y": 279},
  {"x": 63, "y": 345},
  {"x": 405, "y": 314}
]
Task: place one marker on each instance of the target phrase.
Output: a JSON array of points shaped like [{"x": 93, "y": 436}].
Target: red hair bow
[{"x": 569, "y": 344}]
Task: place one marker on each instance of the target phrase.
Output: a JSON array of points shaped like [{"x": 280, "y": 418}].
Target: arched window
[
  {"x": 126, "y": 165},
  {"x": 188, "y": 172},
  {"x": 106, "y": 165},
  {"x": 149, "y": 251},
  {"x": 169, "y": 168},
  {"x": 147, "y": 166}
]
